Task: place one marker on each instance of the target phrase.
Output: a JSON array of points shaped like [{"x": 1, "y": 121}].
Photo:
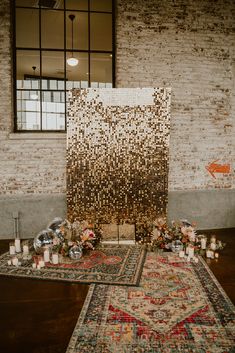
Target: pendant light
[
  {"x": 72, "y": 61},
  {"x": 34, "y": 95}
]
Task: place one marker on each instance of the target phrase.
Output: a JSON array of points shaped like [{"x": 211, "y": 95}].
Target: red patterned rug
[
  {"x": 109, "y": 264},
  {"x": 179, "y": 307}
]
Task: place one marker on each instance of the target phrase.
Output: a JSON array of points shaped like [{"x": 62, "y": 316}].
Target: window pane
[
  {"x": 77, "y": 74},
  {"x": 26, "y": 3},
  {"x": 28, "y": 110},
  {"x": 76, "y": 4},
  {"x": 101, "y": 5},
  {"x": 52, "y": 24},
  {"x": 27, "y": 28},
  {"x": 25, "y": 61},
  {"x": 101, "y": 31},
  {"x": 101, "y": 70},
  {"x": 53, "y": 110},
  {"x": 53, "y": 70},
  {"x": 80, "y": 31}
]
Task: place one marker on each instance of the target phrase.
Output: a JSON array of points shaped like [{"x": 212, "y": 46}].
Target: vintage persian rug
[
  {"x": 179, "y": 307},
  {"x": 109, "y": 263}
]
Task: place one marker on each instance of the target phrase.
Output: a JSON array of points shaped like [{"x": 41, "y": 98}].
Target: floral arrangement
[
  {"x": 180, "y": 236},
  {"x": 76, "y": 234}
]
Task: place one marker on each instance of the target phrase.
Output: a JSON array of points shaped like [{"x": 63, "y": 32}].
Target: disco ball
[
  {"x": 75, "y": 252},
  {"x": 176, "y": 246},
  {"x": 55, "y": 224},
  {"x": 43, "y": 241}
]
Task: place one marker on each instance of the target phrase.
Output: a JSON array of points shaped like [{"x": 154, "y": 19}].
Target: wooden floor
[{"x": 39, "y": 316}]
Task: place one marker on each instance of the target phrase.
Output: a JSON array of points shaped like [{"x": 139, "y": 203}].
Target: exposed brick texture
[
  {"x": 186, "y": 45},
  {"x": 189, "y": 46}
]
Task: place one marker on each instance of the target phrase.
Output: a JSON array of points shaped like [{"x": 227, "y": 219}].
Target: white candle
[
  {"x": 38, "y": 267},
  {"x": 181, "y": 253},
  {"x": 34, "y": 265},
  {"x": 195, "y": 259},
  {"x": 15, "y": 261},
  {"x": 25, "y": 249},
  {"x": 41, "y": 263},
  {"x": 208, "y": 254},
  {"x": 9, "y": 262},
  {"x": 212, "y": 255},
  {"x": 191, "y": 252},
  {"x": 17, "y": 245},
  {"x": 46, "y": 255},
  {"x": 203, "y": 243},
  {"x": 12, "y": 249},
  {"x": 213, "y": 246},
  {"x": 213, "y": 239},
  {"x": 55, "y": 259},
  {"x": 216, "y": 255}
]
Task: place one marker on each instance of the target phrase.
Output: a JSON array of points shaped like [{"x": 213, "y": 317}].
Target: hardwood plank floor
[{"x": 39, "y": 316}]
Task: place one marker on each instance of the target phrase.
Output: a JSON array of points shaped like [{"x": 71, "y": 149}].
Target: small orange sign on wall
[{"x": 214, "y": 167}]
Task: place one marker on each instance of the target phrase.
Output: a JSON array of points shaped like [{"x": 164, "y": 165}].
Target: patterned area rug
[
  {"x": 179, "y": 307},
  {"x": 109, "y": 264}
]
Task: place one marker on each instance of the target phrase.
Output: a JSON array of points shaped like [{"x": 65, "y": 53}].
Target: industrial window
[{"x": 59, "y": 45}]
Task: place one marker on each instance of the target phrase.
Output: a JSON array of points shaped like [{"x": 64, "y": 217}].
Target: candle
[
  {"x": 46, "y": 255},
  {"x": 9, "y": 262},
  {"x": 216, "y": 255},
  {"x": 188, "y": 258},
  {"x": 55, "y": 259},
  {"x": 203, "y": 243},
  {"x": 38, "y": 267},
  {"x": 34, "y": 265},
  {"x": 191, "y": 252},
  {"x": 12, "y": 249},
  {"x": 41, "y": 263},
  {"x": 25, "y": 249},
  {"x": 15, "y": 261},
  {"x": 213, "y": 239},
  {"x": 212, "y": 254},
  {"x": 208, "y": 254},
  {"x": 17, "y": 245},
  {"x": 213, "y": 246},
  {"x": 181, "y": 253},
  {"x": 195, "y": 259}
]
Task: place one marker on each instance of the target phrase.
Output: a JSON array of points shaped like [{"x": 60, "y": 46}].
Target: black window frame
[{"x": 89, "y": 51}]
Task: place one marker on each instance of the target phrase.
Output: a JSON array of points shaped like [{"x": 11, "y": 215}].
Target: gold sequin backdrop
[{"x": 117, "y": 154}]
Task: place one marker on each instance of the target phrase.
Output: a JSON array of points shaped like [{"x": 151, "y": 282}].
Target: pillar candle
[
  {"x": 15, "y": 261},
  {"x": 55, "y": 259},
  {"x": 213, "y": 246},
  {"x": 17, "y": 245},
  {"x": 41, "y": 263},
  {"x": 203, "y": 243},
  {"x": 46, "y": 255},
  {"x": 9, "y": 262},
  {"x": 25, "y": 249},
  {"x": 34, "y": 265},
  {"x": 208, "y": 254},
  {"x": 191, "y": 252},
  {"x": 181, "y": 253},
  {"x": 12, "y": 250}
]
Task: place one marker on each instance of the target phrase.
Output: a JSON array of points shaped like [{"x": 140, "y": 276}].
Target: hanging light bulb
[
  {"x": 72, "y": 61},
  {"x": 33, "y": 95}
]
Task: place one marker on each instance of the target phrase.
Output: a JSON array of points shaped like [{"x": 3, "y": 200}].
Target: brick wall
[
  {"x": 186, "y": 45},
  {"x": 189, "y": 46}
]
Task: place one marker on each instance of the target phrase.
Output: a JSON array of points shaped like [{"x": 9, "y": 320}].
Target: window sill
[{"x": 37, "y": 136}]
